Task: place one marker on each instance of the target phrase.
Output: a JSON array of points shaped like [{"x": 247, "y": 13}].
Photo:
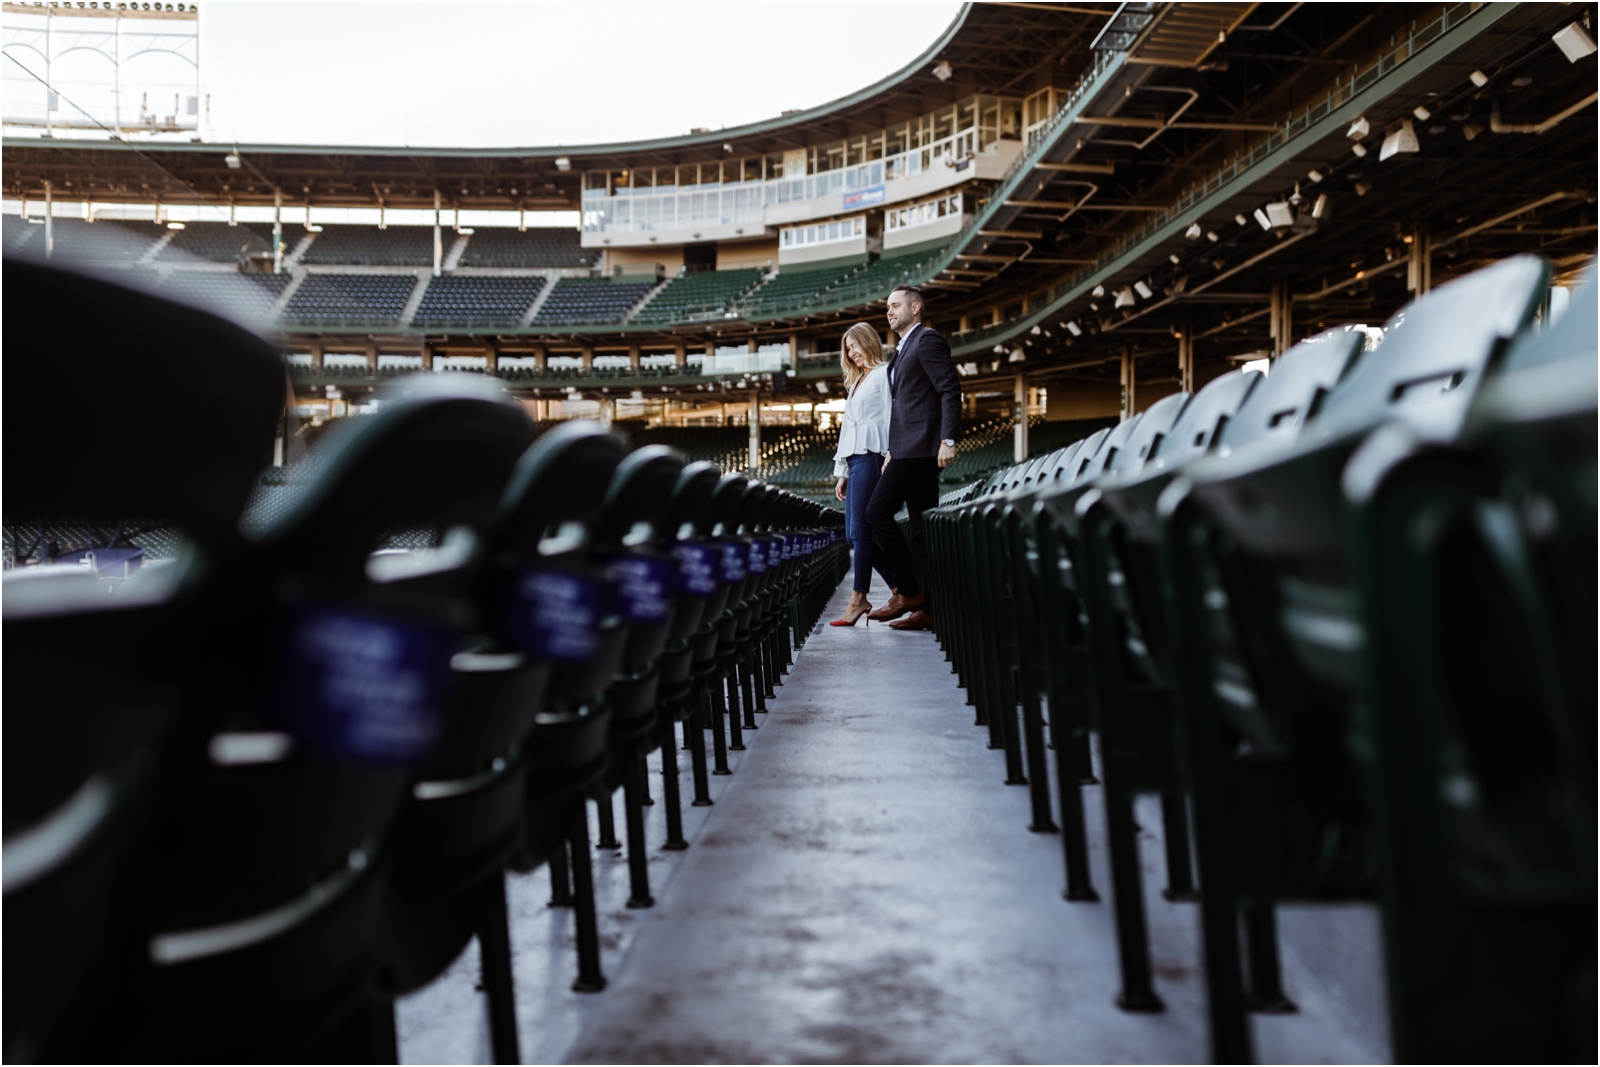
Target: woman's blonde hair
[{"x": 866, "y": 339}]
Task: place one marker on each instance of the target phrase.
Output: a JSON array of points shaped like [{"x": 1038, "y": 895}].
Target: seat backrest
[
  {"x": 1571, "y": 337},
  {"x": 690, "y": 502},
  {"x": 726, "y": 505},
  {"x": 113, "y": 452},
  {"x": 1090, "y": 465},
  {"x": 562, "y": 478},
  {"x": 1196, "y": 430},
  {"x": 1146, "y": 436},
  {"x": 437, "y": 453},
  {"x": 1435, "y": 353},
  {"x": 1278, "y": 407},
  {"x": 640, "y": 491},
  {"x": 1081, "y": 459}
]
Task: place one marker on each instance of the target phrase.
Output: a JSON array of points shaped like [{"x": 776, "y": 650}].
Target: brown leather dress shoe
[
  {"x": 897, "y": 606},
  {"x": 919, "y": 620}
]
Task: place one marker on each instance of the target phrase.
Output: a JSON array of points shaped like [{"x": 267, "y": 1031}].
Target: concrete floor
[{"x": 865, "y": 890}]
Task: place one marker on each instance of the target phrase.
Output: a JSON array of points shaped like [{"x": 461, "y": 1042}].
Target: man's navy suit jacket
[{"x": 926, "y": 395}]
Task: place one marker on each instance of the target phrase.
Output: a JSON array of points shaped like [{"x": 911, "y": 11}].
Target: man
[{"x": 924, "y": 424}]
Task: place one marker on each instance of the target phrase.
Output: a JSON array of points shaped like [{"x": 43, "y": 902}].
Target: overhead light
[
  {"x": 1279, "y": 213},
  {"x": 175, "y": 225},
  {"x": 1099, "y": 290},
  {"x": 233, "y": 161},
  {"x": 1359, "y": 129},
  {"x": 1480, "y": 79},
  {"x": 727, "y": 148},
  {"x": 1573, "y": 42},
  {"x": 1240, "y": 219},
  {"x": 1320, "y": 208},
  {"x": 1401, "y": 138},
  {"x": 1124, "y": 298},
  {"x": 1036, "y": 331},
  {"x": 1422, "y": 113},
  {"x": 1173, "y": 257},
  {"x": 1315, "y": 175},
  {"x": 1211, "y": 235},
  {"x": 1261, "y": 217},
  {"x": 999, "y": 350},
  {"x": 1142, "y": 289},
  {"x": 1471, "y": 130},
  {"x": 1016, "y": 356},
  {"x": 942, "y": 71},
  {"x": 1363, "y": 188},
  {"x": 1359, "y": 149},
  {"x": 563, "y": 163},
  {"x": 1074, "y": 329},
  {"x": 1193, "y": 232}
]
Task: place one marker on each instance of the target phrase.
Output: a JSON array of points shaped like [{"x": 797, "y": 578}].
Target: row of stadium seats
[
  {"x": 295, "y": 784},
  {"x": 583, "y": 301},
  {"x": 364, "y": 298},
  {"x": 1341, "y": 619},
  {"x": 456, "y": 300},
  {"x": 702, "y": 293}
]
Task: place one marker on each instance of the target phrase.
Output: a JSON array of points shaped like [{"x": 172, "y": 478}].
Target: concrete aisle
[{"x": 865, "y": 890}]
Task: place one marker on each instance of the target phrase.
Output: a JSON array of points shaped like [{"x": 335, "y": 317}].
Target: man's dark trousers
[{"x": 915, "y": 484}]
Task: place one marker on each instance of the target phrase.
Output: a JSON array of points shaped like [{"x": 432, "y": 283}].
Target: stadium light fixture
[
  {"x": 1099, "y": 290},
  {"x": 1359, "y": 149},
  {"x": 1074, "y": 329},
  {"x": 1279, "y": 213},
  {"x": 1401, "y": 139},
  {"x": 1359, "y": 129},
  {"x": 1261, "y": 217},
  {"x": 1173, "y": 258},
  {"x": 1422, "y": 113},
  {"x": 1240, "y": 219},
  {"x": 1211, "y": 235},
  {"x": 1314, "y": 175},
  {"x": 1320, "y": 208},
  {"x": 563, "y": 163},
  {"x": 1193, "y": 232},
  {"x": 1017, "y": 356},
  {"x": 1471, "y": 130},
  {"x": 1142, "y": 289},
  {"x": 175, "y": 225},
  {"x": 1363, "y": 188},
  {"x": 233, "y": 161},
  {"x": 1124, "y": 298},
  {"x": 1573, "y": 42},
  {"x": 942, "y": 70},
  {"x": 1479, "y": 78}
]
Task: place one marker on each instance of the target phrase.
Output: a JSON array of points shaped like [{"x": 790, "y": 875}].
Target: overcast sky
[{"x": 539, "y": 74}]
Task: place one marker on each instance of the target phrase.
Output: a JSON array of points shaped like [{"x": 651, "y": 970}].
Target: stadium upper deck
[{"x": 1143, "y": 193}]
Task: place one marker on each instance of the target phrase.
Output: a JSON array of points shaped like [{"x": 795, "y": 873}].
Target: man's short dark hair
[{"x": 915, "y": 291}]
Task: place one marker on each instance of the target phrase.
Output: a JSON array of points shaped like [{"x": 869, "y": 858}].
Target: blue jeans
[{"x": 865, "y": 470}]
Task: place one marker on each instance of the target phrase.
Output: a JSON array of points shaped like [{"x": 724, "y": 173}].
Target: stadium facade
[{"x": 1106, "y": 204}]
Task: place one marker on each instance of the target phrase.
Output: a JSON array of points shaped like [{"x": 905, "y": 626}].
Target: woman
[{"x": 863, "y": 439}]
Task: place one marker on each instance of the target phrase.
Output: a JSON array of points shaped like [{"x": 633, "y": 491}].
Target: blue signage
[
  {"x": 362, "y": 683},
  {"x": 645, "y": 585},
  {"x": 697, "y": 567},
  {"x": 865, "y": 197},
  {"x": 558, "y": 615},
  {"x": 733, "y": 561}
]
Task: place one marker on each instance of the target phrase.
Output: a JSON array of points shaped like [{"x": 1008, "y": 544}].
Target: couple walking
[{"x": 900, "y": 427}]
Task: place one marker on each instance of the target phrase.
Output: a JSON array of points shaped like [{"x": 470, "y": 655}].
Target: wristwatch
[{"x": 948, "y": 442}]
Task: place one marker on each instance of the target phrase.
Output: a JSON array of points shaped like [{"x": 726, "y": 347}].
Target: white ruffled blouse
[{"x": 866, "y": 420}]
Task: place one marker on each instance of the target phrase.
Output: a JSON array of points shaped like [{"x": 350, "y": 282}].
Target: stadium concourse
[{"x": 415, "y": 628}]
